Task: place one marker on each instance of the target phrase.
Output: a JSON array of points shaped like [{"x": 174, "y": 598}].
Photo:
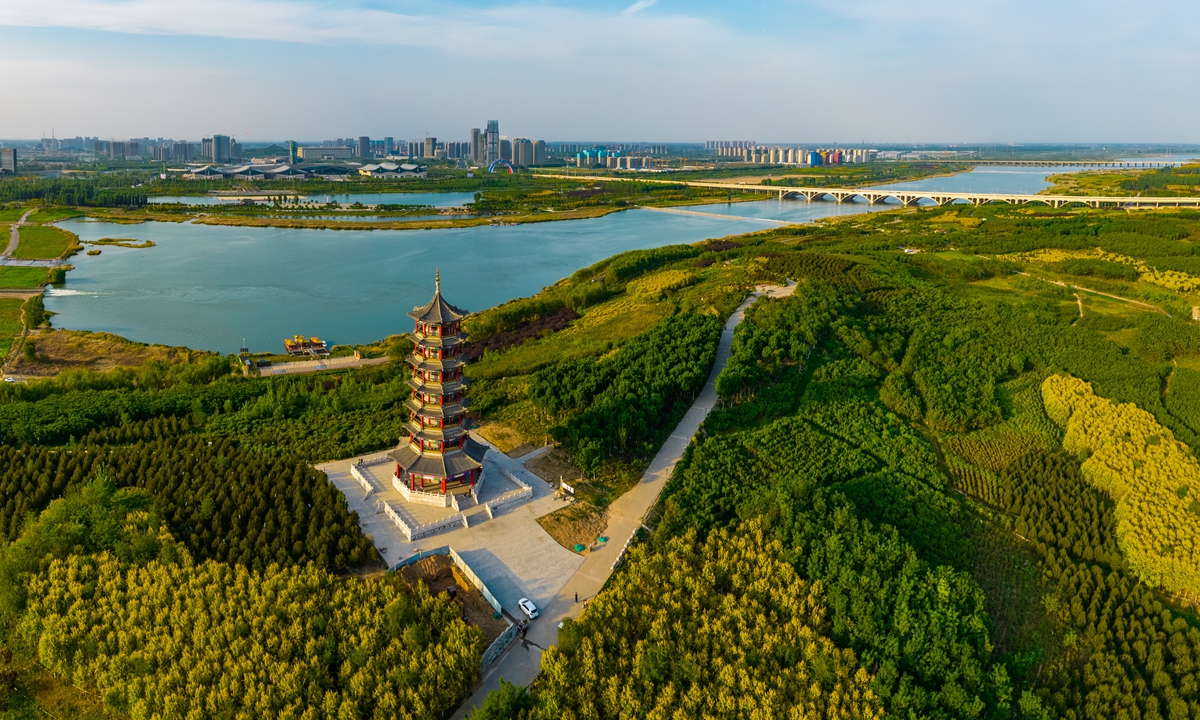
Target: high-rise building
[
  {"x": 220, "y": 148},
  {"x": 235, "y": 150},
  {"x": 8, "y": 161},
  {"x": 522, "y": 152},
  {"x": 539, "y": 153},
  {"x": 506, "y": 149},
  {"x": 477, "y": 146},
  {"x": 429, "y": 152},
  {"x": 364, "y": 146},
  {"x": 389, "y": 145},
  {"x": 293, "y": 152},
  {"x": 162, "y": 153},
  {"x": 493, "y": 142},
  {"x": 181, "y": 151}
]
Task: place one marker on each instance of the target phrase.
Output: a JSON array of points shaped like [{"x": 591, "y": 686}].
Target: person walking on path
[{"x": 576, "y": 597}]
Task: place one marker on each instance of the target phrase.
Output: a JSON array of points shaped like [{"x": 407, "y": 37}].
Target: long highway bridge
[{"x": 910, "y": 198}]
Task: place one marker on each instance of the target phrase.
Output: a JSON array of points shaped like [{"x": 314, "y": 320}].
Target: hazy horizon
[{"x": 864, "y": 71}]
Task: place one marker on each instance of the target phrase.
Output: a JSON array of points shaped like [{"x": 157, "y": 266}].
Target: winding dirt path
[{"x": 14, "y": 235}]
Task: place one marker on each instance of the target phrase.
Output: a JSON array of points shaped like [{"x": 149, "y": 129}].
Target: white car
[
  {"x": 528, "y": 608},
  {"x": 12, "y": 380}
]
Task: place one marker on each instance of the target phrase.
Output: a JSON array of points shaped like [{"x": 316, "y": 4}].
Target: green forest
[
  {"x": 983, "y": 481},
  {"x": 950, "y": 476}
]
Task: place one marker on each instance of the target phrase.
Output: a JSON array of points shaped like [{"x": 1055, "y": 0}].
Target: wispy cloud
[
  {"x": 638, "y": 6},
  {"x": 277, "y": 20},
  {"x": 789, "y": 69}
]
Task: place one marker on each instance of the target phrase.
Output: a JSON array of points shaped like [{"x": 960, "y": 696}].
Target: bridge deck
[{"x": 910, "y": 197}]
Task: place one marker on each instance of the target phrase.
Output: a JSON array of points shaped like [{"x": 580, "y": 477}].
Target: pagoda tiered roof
[
  {"x": 419, "y": 362},
  {"x": 433, "y": 387},
  {"x": 436, "y": 434},
  {"x": 439, "y": 465},
  {"x": 436, "y": 411},
  {"x": 438, "y": 341},
  {"x": 437, "y": 311}
]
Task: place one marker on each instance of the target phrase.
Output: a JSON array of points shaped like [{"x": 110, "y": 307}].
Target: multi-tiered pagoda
[{"x": 439, "y": 455}]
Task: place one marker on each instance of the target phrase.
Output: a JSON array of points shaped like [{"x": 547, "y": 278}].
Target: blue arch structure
[{"x": 501, "y": 161}]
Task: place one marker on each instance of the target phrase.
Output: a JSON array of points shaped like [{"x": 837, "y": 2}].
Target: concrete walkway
[
  {"x": 308, "y": 366},
  {"x": 625, "y": 515}
]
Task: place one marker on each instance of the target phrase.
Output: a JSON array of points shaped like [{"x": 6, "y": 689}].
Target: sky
[{"x": 846, "y": 71}]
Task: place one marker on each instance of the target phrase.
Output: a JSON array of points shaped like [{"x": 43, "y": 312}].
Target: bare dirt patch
[
  {"x": 580, "y": 523},
  {"x": 521, "y": 450},
  {"x": 59, "y": 350},
  {"x": 439, "y": 574},
  {"x": 502, "y": 436},
  {"x": 553, "y": 466}
]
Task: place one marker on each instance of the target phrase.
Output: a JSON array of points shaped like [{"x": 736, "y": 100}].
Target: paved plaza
[{"x": 511, "y": 552}]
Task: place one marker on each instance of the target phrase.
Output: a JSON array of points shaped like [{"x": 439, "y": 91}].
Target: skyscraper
[
  {"x": 293, "y": 152},
  {"x": 522, "y": 152},
  {"x": 506, "y": 149},
  {"x": 364, "y": 146},
  {"x": 493, "y": 142},
  {"x": 8, "y": 160},
  {"x": 539, "y": 152},
  {"x": 477, "y": 148},
  {"x": 220, "y": 148},
  {"x": 430, "y": 150}
]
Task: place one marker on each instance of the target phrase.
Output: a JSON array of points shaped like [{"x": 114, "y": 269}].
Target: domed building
[{"x": 438, "y": 455}]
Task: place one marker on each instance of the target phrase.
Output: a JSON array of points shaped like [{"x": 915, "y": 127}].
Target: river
[{"x": 209, "y": 287}]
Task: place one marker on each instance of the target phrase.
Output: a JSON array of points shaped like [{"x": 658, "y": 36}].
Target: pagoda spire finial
[{"x": 437, "y": 280}]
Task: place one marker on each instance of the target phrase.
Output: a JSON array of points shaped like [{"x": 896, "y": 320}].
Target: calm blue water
[
  {"x": 207, "y": 287},
  {"x": 790, "y": 209},
  {"x": 446, "y": 199},
  {"x": 985, "y": 179}
]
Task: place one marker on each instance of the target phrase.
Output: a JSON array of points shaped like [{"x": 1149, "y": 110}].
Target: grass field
[
  {"x": 43, "y": 243},
  {"x": 54, "y": 214},
  {"x": 22, "y": 277},
  {"x": 60, "y": 350},
  {"x": 1102, "y": 183},
  {"x": 10, "y": 323},
  {"x": 9, "y": 214}
]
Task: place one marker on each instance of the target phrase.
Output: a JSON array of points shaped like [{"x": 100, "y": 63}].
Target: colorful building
[{"x": 439, "y": 455}]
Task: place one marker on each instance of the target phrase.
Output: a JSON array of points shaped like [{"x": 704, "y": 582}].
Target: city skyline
[{"x": 868, "y": 71}]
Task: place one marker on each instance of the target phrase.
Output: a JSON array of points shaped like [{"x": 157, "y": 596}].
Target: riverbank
[
  {"x": 1181, "y": 181},
  {"x": 541, "y": 201}
]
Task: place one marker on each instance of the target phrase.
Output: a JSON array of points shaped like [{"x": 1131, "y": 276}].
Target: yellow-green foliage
[
  {"x": 723, "y": 628},
  {"x": 184, "y": 640},
  {"x": 1027, "y": 429},
  {"x": 1153, "y": 478},
  {"x": 952, "y": 218},
  {"x": 659, "y": 285},
  {"x": 1169, "y": 279}
]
